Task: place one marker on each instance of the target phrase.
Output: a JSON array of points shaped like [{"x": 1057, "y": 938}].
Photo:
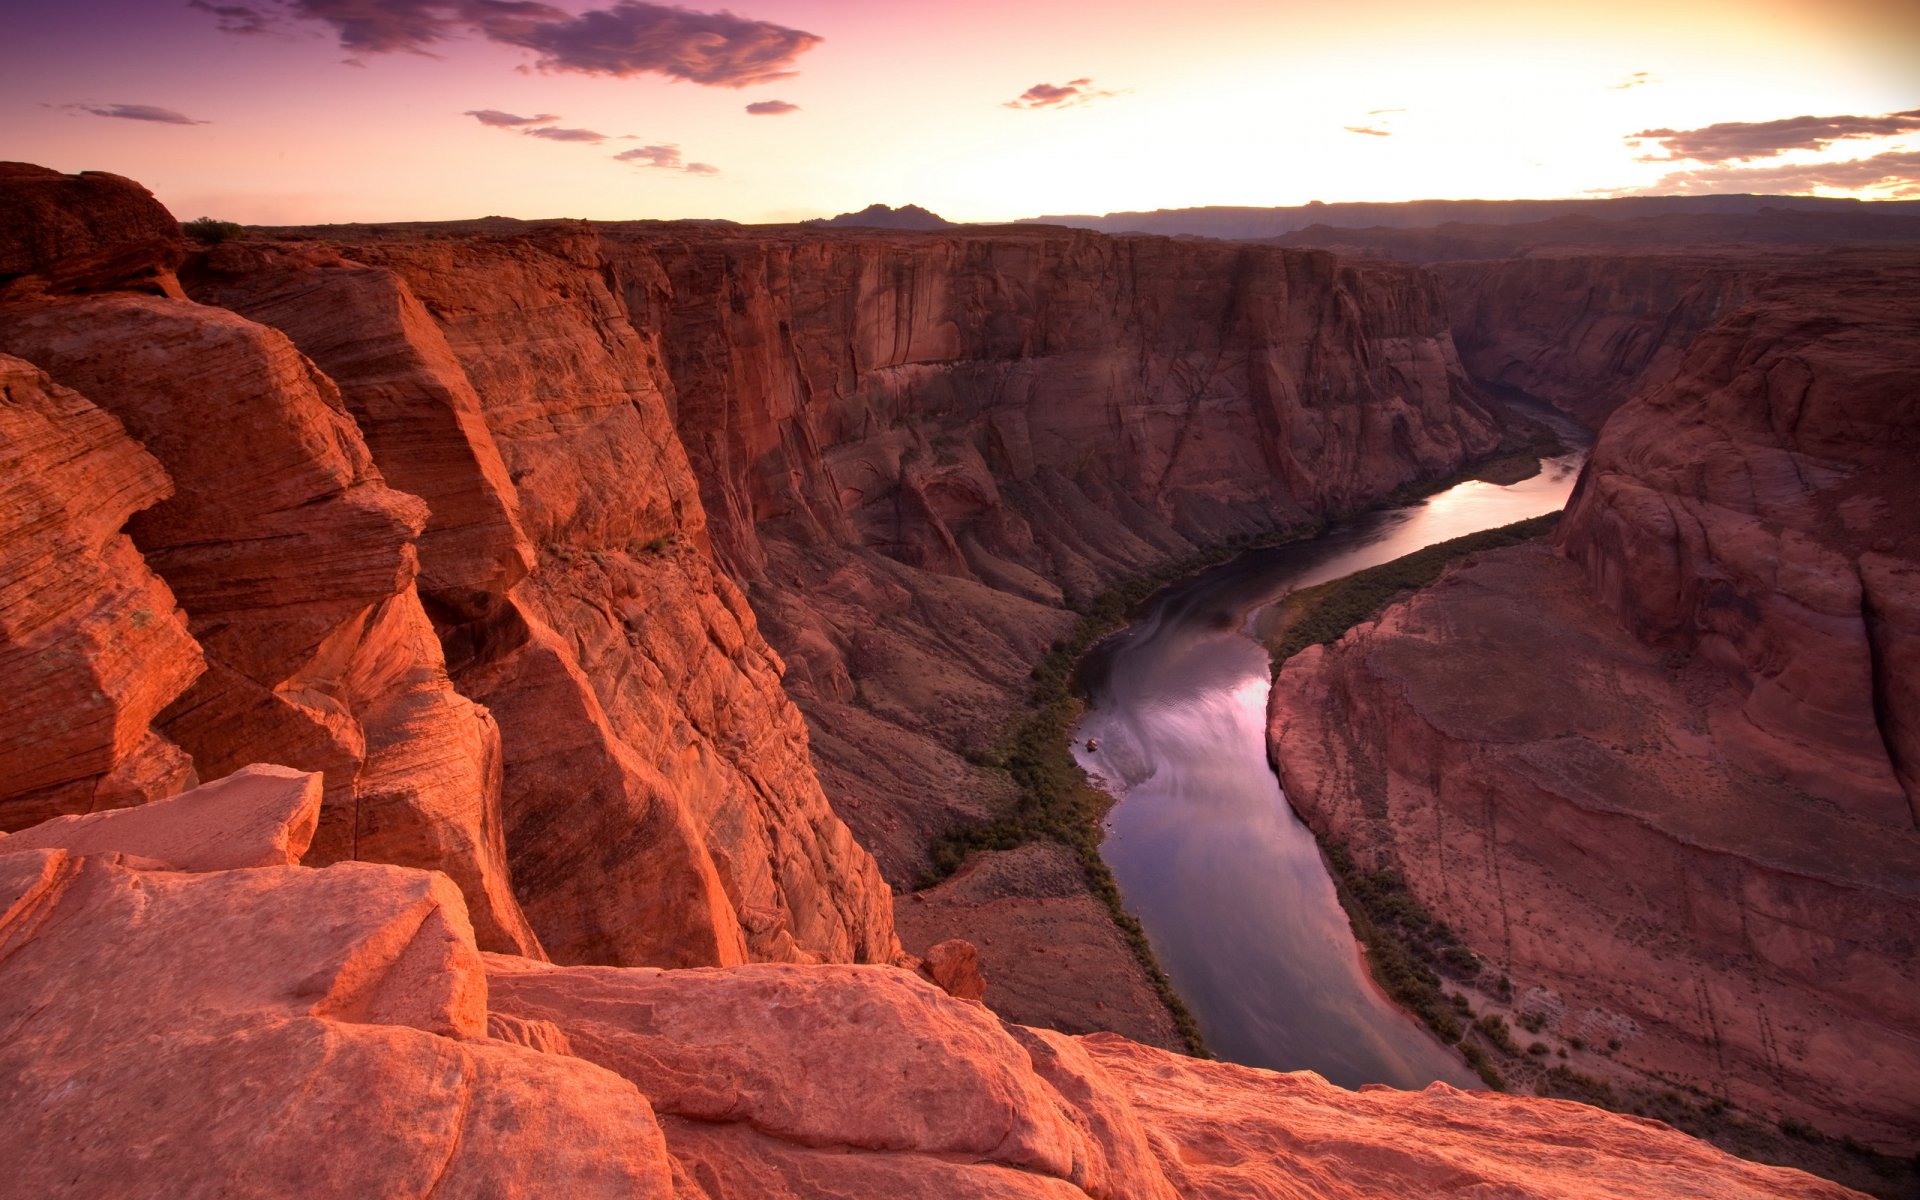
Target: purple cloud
[
  {"x": 1744, "y": 141},
  {"x": 506, "y": 120},
  {"x": 554, "y": 134},
  {"x": 1066, "y": 95},
  {"x": 236, "y": 18},
  {"x": 630, "y": 37},
  {"x": 771, "y": 108},
  {"x": 1897, "y": 172},
  {"x": 666, "y": 158},
  {"x": 133, "y": 112}
]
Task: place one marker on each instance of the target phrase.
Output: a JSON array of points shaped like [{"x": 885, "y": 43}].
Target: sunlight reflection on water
[{"x": 1226, "y": 880}]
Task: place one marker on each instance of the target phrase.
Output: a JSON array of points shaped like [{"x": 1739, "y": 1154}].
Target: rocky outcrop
[
  {"x": 295, "y": 563},
  {"x": 259, "y": 816},
  {"x": 642, "y": 715},
  {"x": 288, "y": 1014},
  {"x": 256, "y": 1032},
  {"x": 92, "y": 646},
  {"x": 1758, "y": 511},
  {"x": 84, "y": 232},
  {"x": 1662, "y": 783}
]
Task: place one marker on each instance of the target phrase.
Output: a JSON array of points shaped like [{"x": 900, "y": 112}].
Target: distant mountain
[
  {"x": 1581, "y": 233},
  {"x": 881, "y": 216},
  {"x": 1252, "y": 223}
]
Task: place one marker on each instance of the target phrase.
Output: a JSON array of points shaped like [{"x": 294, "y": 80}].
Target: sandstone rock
[
  {"x": 260, "y": 1032},
  {"x": 642, "y": 712},
  {"x": 407, "y": 393},
  {"x": 1051, "y": 951},
  {"x": 953, "y": 966},
  {"x": 92, "y": 647},
  {"x": 1221, "y": 1130},
  {"x": 837, "y": 1058},
  {"x": 1565, "y": 803},
  {"x": 84, "y": 232},
  {"x": 259, "y": 816},
  {"x": 1758, "y": 511},
  {"x": 295, "y": 564}
]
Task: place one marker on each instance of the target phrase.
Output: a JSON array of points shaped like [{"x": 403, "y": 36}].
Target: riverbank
[{"x": 1446, "y": 757}]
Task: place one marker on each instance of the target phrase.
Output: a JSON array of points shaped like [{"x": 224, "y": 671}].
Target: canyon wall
[
  {"x": 920, "y": 448},
  {"x": 1585, "y": 333},
  {"x": 1663, "y": 777},
  {"x": 534, "y": 679}
]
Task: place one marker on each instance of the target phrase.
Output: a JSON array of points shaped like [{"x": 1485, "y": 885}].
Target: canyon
[
  {"x": 1659, "y": 773},
  {"x": 485, "y": 692}
]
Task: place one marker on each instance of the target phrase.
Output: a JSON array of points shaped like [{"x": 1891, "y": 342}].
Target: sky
[{"x": 311, "y": 111}]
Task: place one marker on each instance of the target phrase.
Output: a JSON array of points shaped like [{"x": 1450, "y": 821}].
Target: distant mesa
[{"x": 881, "y": 216}]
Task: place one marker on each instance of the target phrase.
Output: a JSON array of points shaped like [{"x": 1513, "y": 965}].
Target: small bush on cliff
[{"x": 210, "y": 231}]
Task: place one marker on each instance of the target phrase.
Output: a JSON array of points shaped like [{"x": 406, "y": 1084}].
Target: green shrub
[{"x": 210, "y": 231}]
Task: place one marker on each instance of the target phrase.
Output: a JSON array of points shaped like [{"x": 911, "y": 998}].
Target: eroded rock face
[
  {"x": 83, "y": 232},
  {"x": 642, "y": 714},
  {"x": 1759, "y": 511},
  {"x": 1566, "y": 805},
  {"x": 915, "y": 448},
  {"x": 1667, "y": 778},
  {"x": 92, "y": 645},
  {"x": 295, "y": 564}
]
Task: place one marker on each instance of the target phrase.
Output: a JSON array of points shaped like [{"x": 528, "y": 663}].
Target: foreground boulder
[
  {"x": 259, "y": 816},
  {"x": 337, "y": 1032}
]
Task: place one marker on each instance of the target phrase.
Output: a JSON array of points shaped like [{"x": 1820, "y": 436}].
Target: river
[{"x": 1228, "y": 883}]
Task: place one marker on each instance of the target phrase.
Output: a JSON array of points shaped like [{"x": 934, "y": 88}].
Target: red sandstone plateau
[
  {"x": 1662, "y": 774},
  {"x": 401, "y": 787}
]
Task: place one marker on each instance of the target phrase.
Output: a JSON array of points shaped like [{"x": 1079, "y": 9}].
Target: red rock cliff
[{"x": 1665, "y": 782}]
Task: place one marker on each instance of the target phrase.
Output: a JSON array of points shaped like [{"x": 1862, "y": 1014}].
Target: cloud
[
  {"x": 1637, "y": 79},
  {"x": 1747, "y": 140},
  {"x": 556, "y": 134},
  {"x": 1897, "y": 172},
  {"x": 133, "y": 112},
  {"x": 771, "y": 108},
  {"x": 629, "y": 37},
  {"x": 506, "y": 120},
  {"x": 236, "y": 18},
  {"x": 1067, "y": 95},
  {"x": 667, "y": 158},
  {"x": 1369, "y": 132},
  {"x": 1377, "y": 112}
]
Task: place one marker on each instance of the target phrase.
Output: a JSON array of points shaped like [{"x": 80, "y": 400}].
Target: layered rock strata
[
  {"x": 287, "y": 1013},
  {"x": 653, "y": 780},
  {"x": 1663, "y": 780},
  {"x": 910, "y": 451}
]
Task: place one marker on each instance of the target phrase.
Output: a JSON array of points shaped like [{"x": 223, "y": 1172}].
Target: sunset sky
[{"x": 295, "y": 111}]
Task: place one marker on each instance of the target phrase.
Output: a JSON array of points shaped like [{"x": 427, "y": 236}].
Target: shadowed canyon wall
[{"x": 1665, "y": 775}]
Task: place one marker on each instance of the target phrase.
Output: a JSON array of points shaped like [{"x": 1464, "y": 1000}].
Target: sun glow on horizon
[{"x": 1237, "y": 103}]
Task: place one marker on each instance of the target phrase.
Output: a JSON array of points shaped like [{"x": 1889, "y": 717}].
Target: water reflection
[{"x": 1226, "y": 880}]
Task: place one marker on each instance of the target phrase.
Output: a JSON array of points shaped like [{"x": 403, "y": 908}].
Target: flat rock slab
[{"x": 259, "y": 816}]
